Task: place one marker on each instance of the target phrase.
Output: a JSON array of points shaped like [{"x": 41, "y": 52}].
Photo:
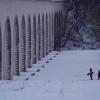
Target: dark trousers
[
  {"x": 91, "y": 77},
  {"x": 98, "y": 77}
]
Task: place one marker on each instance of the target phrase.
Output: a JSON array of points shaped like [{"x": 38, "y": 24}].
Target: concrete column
[
  {"x": 15, "y": 47},
  {"x": 50, "y": 32},
  {"x": 33, "y": 41},
  {"x": 0, "y": 53},
  {"x": 46, "y": 34},
  {"x": 60, "y": 27},
  {"x": 38, "y": 39},
  {"x": 7, "y": 51},
  {"x": 22, "y": 45},
  {"x": 61, "y": 22},
  {"x": 43, "y": 36},
  {"x": 53, "y": 30},
  {"x": 58, "y": 30},
  {"x": 28, "y": 44}
]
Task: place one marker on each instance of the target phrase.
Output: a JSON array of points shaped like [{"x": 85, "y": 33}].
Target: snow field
[{"x": 63, "y": 78}]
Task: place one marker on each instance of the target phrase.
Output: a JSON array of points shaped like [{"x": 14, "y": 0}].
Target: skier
[
  {"x": 98, "y": 74},
  {"x": 91, "y": 74}
]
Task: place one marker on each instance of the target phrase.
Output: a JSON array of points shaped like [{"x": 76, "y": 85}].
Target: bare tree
[{"x": 80, "y": 10}]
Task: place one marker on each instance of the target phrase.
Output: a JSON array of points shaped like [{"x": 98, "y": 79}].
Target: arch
[
  {"x": 16, "y": 46},
  {"x": 22, "y": 45},
  {"x": 33, "y": 42},
  {"x": 7, "y": 49},
  {"x": 0, "y": 53}
]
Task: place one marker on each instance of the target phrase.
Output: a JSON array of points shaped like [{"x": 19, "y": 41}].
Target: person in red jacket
[{"x": 91, "y": 74}]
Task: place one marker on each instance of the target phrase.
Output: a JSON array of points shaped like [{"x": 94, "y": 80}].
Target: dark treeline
[{"x": 79, "y": 14}]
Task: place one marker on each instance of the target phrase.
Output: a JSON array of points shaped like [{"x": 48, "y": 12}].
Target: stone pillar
[
  {"x": 28, "y": 44},
  {"x": 22, "y": 45},
  {"x": 7, "y": 51},
  {"x": 38, "y": 39},
  {"x": 53, "y": 30},
  {"x": 61, "y": 25},
  {"x": 43, "y": 36},
  {"x": 56, "y": 32},
  {"x": 33, "y": 41},
  {"x": 60, "y": 28},
  {"x": 50, "y": 32},
  {"x": 15, "y": 48},
  {"x": 46, "y": 34},
  {"x": 0, "y": 53}
]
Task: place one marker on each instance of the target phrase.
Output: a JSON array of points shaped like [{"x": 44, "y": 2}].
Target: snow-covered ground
[{"x": 62, "y": 78}]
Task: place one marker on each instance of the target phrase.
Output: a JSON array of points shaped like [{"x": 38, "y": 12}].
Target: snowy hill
[{"x": 61, "y": 78}]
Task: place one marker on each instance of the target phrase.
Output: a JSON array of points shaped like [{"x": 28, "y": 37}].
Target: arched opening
[
  {"x": 7, "y": 44},
  {"x": 16, "y": 46},
  {"x": 0, "y": 53},
  {"x": 22, "y": 45},
  {"x": 28, "y": 43}
]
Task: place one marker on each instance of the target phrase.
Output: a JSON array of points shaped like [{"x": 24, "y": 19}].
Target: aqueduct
[{"x": 28, "y": 31}]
